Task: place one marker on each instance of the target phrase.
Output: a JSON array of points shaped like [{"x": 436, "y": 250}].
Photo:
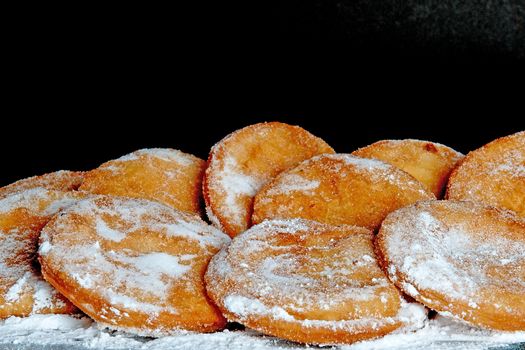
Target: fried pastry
[
  {"x": 23, "y": 291},
  {"x": 459, "y": 258},
  {"x": 63, "y": 180},
  {"x": 308, "y": 282},
  {"x": 493, "y": 174},
  {"x": 338, "y": 189},
  {"x": 164, "y": 175},
  {"x": 429, "y": 162},
  {"x": 133, "y": 264}
]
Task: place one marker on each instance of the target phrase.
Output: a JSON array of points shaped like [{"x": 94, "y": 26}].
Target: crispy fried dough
[
  {"x": 23, "y": 291},
  {"x": 338, "y": 189},
  {"x": 493, "y": 174},
  {"x": 458, "y": 258},
  {"x": 429, "y": 162},
  {"x": 308, "y": 282},
  {"x": 133, "y": 264},
  {"x": 63, "y": 180},
  {"x": 164, "y": 175}
]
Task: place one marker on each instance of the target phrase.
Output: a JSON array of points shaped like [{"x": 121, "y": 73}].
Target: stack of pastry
[{"x": 304, "y": 243}]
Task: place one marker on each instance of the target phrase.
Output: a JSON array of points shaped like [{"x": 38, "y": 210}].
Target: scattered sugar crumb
[{"x": 66, "y": 332}]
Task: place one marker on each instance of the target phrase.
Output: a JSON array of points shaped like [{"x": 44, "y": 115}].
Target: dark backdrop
[{"x": 82, "y": 89}]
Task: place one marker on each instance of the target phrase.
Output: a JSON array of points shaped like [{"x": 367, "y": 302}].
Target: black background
[
  {"x": 92, "y": 86},
  {"x": 47, "y": 149}
]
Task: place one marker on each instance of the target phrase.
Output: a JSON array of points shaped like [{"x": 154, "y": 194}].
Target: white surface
[{"x": 67, "y": 332}]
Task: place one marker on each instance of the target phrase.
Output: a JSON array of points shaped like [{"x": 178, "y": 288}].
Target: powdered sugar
[
  {"x": 132, "y": 219},
  {"x": 62, "y": 180},
  {"x": 43, "y": 296},
  {"x": 413, "y": 315},
  {"x": 442, "y": 333},
  {"x": 236, "y": 185},
  {"x": 292, "y": 183},
  {"x": 362, "y": 163},
  {"x": 246, "y": 307},
  {"x": 13, "y": 293},
  {"x": 130, "y": 303},
  {"x": 204, "y": 234},
  {"x": 39, "y": 200},
  {"x": 18, "y": 240},
  {"x": 151, "y": 273},
  {"x": 67, "y": 332},
  {"x": 103, "y": 230},
  {"x": 168, "y": 154},
  {"x": 509, "y": 164},
  {"x": 213, "y": 218},
  {"x": 162, "y": 263}
]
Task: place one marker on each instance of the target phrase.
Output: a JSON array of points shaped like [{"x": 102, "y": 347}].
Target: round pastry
[
  {"x": 164, "y": 175},
  {"x": 133, "y": 265},
  {"x": 338, "y": 189},
  {"x": 22, "y": 288},
  {"x": 63, "y": 180},
  {"x": 308, "y": 282},
  {"x": 429, "y": 162},
  {"x": 241, "y": 163},
  {"x": 493, "y": 174},
  {"x": 458, "y": 258}
]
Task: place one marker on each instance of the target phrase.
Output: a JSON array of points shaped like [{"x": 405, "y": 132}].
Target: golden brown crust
[
  {"x": 241, "y": 163},
  {"x": 63, "y": 180},
  {"x": 133, "y": 264},
  {"x": 493, "y": 174},
  {"x": 307, "y": 282},
  {"x": 164, "y": 175},
  {"x": 429, "y": 162},
  {"x": 22, "y": 288},
  {"x": 462, "y": 259},
  {"x": 338, "y": 189}
]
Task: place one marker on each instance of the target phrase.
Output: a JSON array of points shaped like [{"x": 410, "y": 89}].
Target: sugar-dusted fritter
[
  {"x": 338, "y": 189},
  {"x": 459, "y": 258},
  {"x": 308, "y": 282},
  {"x": 493, "y": 174},
  {"x": 63, "y": 180},
  {"x": 164, "y": 175},
  {"x": 23, "y": 291},
  {"x": 133, "y": 264}
]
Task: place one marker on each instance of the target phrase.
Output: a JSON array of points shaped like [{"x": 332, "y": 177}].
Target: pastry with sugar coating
[
  {"x": 164, "y": 175},
  {"x": 23, "y": 291},
  {"x": 429, "y": 162},
  {"x": 63, "y": 180},
  {"x": 338, "y": 189},
  {"x": 459, "y": 258},
  {"x": 308, "y": 282},
  {"x": 241, "y": 163},
  {"x": 493, "y": 174},
  {"x": 133, "y": 264}
]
